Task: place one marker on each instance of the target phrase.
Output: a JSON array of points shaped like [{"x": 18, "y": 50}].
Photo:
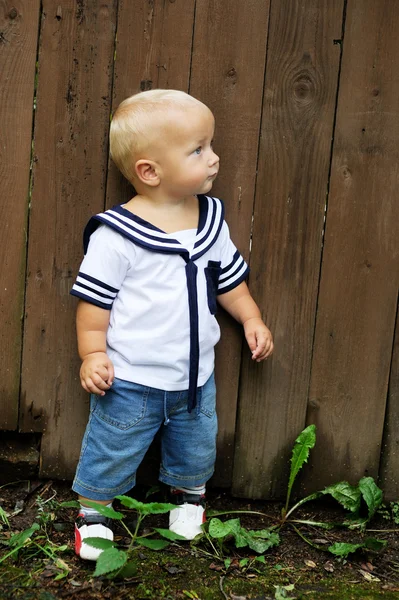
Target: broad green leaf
[
  {"x": 105, "y": 510},
  {"x": 152, "y": 544},
  {"x": 146, "y": 508},
  {"x": 347, "y": 495},
  {"x": 374, "y": 544},
  {"x": 169, "y": 535},
  {"x": 129, "y": 570},
  {"x": 19, "y": 539},
  {"x": 243, "y": 562},
  {"x": 371, "y": 493},
  {"x": 218, "y": 529},
  {"x": 100, "y": 543},
  {"x": 342, "y": 549},
  {"x": 300, "y": 454},
  {"x": 227, "y": 563},
  {"x": 259, "y": 545},
  {"x": 109, "y": 561}
]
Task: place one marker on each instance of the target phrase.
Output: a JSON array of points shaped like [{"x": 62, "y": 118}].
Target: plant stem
[
  {"x": 305, "y": 539},
  {"x": 298, "y": 504},
  {"x": 242, "y": 512}
]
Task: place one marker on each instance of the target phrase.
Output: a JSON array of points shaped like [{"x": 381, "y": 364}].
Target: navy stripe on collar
[{"x": 146, "y": 235}]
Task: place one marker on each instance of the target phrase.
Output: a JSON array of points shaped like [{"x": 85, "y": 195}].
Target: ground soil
[{"x": 184, "y": 570}]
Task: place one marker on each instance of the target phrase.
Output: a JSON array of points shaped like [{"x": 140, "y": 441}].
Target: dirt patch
[{"x": 46, "y": 568}]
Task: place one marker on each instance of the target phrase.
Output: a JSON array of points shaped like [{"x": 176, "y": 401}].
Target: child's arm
[
  {"x": 240, "y": 304},
  {"x": 97, "y": 371}
]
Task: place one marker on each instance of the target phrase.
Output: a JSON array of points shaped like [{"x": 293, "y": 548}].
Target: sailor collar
[{"x": 146, "y": 235}]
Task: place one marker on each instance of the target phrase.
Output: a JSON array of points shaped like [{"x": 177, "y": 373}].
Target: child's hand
[
  {"x": 259, "y": 338},
  {"x": 96, "y": 373}
]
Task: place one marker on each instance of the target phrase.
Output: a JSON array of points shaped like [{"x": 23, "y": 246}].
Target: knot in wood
[
  {"x": 303, "y": 88},
  {"x": 13, "y": 14},
  {"x": 232, "y": 74}
]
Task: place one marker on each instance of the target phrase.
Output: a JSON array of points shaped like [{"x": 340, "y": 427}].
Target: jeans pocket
[
  {"x": 207, "y": 400},
  {"x": 212, "y": 274},
  {"x": 123, "y": 406}
]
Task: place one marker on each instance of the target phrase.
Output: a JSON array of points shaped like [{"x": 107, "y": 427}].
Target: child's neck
[{"x": 167, "y": 214}]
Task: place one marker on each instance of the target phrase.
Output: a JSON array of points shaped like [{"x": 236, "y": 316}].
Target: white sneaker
[
  {"x": 91, "y": 526},
  {"x": 186, "y": 520}
]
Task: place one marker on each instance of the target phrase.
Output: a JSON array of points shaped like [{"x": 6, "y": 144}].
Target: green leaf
[
  {"x": 100, "y": 543},
  {"x": 342, "y": 549},
  {"x": 109, "y": 561},
  {"x": 347, "y": 495},
  {"x": 259, "y": 545},
  {"x": 146, "y": 508},
  {"x": 218, "y": 529},
  {"x": 371, "y": 493},
  {"x": 227, "y": 563},
  {"x": 169, "y": 535},
  {"x": 374, "y": 544},
  {"x": 281, "y": 592},
  {"x": 19, "y": 539},
  {"x": 300, "y": 454},
  {"x": 261, "y": 559},
  {"x": 129, "y": 570},
  {"x": 104, "y": 510},
  {"x": 152, "y": 544},
  {"x": 243, "y": 562}
]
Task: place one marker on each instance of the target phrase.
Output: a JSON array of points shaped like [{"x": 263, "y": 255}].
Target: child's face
[{"x": 186, "y": 158}]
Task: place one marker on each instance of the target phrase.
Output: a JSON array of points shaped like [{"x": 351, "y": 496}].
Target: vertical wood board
[
  {"x": 227, "y": 74},
  {"x": 298, "y": 113},
  {"x": 389, "y": 466},
  {"x": 71, "y": 135},
  {"x": 153, "y": 50},
  {"x": 359, "y": 280},
  {"x": 19, "y": 29}
]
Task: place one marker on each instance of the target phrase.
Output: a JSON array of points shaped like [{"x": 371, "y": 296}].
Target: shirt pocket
[{"x": 212, "y": 274}]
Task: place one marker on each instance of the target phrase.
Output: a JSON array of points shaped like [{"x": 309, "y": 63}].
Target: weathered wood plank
[
  {"x": 18, "y": 43},
  {"x": 71, "y": 133},
  {"x": 360, "y": 278},
  {"x": 228, "y": 76},
  {"x": 153, "y": 51},
  {"x": 389, "y": 468},
  {"x": 298, "y": 112}
]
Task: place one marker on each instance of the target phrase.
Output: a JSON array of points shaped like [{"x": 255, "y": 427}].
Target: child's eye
[{"x": 198, "y": 150}]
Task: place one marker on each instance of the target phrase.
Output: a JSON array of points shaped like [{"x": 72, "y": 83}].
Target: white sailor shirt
[{"x": 161, "y": 294}]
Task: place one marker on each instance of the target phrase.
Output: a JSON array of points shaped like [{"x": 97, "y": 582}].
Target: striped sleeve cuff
[
  {"x": 234, "y": 274},
  {"x": 94, "y": 291}
]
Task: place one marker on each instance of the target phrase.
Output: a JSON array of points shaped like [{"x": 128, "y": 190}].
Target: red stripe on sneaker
[{"x": 78, "y": 541}]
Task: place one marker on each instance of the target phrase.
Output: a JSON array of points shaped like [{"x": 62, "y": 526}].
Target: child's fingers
[
  {"x": 111, "y": 373},
  {"x": 251, "y": 341}
]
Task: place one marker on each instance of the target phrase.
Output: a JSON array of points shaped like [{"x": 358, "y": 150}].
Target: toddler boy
[{"x": 153, "y": 272}]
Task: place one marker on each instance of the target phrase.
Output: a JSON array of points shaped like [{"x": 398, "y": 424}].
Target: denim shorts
[{"x": 122, "y": 425}]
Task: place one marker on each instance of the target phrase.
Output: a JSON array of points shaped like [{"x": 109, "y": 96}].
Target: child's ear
[{"x": 147, "y": 172}]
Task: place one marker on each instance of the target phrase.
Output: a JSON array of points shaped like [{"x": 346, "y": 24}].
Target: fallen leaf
[
  {"x": 216, "y": 567},
  {"x": 251, "y": 576},
  {"x": 321, "y": 541},
  {"x": 368, "y": 576},
  {"x": 328, "y": 566},
  {"x": 310, "y": 563},
  {"x": 234, "y": 597}
]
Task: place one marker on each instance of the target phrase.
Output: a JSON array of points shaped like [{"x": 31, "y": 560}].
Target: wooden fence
[{"x": 305, "y": 96}]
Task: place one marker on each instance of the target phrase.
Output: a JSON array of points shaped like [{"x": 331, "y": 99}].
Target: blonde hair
[{"x": 135, "y": 121}]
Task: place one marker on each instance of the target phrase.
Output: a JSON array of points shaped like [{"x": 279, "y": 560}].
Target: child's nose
[{"x": 214, "y": 159}]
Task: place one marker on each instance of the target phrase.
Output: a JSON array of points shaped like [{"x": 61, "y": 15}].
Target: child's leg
[
  {"x": 188, "y": 457},
  {"x": 91, "y": 523},
  {"x": 122, "y": 425}
]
